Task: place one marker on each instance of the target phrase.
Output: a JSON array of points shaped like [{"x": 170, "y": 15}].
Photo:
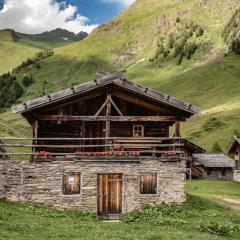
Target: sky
[{"x": 36, "y": 16}]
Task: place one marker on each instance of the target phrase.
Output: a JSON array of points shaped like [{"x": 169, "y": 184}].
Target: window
[
  {"x": 138, "y": 131},
  {"x": 224, "y": 172},
  {"x": 71, "y": 183},
  {"x": 148, "y": 183}
]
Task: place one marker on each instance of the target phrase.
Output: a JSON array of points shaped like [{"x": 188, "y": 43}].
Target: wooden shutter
[
  {"x": 148, "y": 184},
  {"x": 67, "y": 188},
  {"x": 76, "y": 188}
]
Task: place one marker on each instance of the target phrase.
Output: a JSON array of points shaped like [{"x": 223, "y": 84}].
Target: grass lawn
[
  {"x": 197, "y": 219},
  {"x": 226, "y": 193}
]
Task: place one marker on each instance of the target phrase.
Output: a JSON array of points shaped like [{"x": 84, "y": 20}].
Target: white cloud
[
  {"x": 36, "y": 16},
  {"x": 121, "y": 2}
]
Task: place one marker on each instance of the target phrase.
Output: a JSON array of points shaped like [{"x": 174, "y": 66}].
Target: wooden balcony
[{"x": 52, "y": 149}]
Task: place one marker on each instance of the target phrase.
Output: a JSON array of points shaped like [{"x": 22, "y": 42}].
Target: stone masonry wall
[
  {"x": 236, "y": 176},
  {"x": 42, "y": 183},
  {"x": 216, "y": 174}
]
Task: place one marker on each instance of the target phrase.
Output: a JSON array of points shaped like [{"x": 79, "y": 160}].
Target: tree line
[{"x": 10, "y": 88}]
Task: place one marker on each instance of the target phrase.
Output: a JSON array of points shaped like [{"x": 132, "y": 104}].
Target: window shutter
[
  {"x": 76, "y": 188},
  {"x": 148, "y": 184},
  {"x": 71, "y": 183}
]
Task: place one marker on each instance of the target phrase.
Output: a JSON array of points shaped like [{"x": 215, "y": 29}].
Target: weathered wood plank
[{"x": 108, "y": 118}]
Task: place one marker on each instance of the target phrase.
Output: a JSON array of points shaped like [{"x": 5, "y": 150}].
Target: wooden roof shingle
[{"x": 117, "y": 79}]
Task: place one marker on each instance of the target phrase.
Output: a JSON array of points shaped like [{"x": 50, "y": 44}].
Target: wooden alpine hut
[{"x": 104, "y": 145}]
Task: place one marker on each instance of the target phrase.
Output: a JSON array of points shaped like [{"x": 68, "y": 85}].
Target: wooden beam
[
  {"x": 35, "y": 133},
  {"x": 108, "y": 114},
  {"x": 177, "y": 129},
  {"x": 67, "y": 102},
  {"x": 109, "y": 118},
  {"x": 140, "y": 102},
  {"x": 116, "y": 107},
  {"x": 102, "y": 107}
]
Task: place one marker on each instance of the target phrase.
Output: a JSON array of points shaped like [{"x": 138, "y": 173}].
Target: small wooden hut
[{"x": 213, "y": 166}]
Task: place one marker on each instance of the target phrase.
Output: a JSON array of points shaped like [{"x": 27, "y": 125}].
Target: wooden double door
[{"x": 109, "y": 194}]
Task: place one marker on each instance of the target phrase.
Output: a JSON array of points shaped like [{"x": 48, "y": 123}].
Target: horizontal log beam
[
  {"x": 78, "y": 139},
  {"x": 73, "y": 155},
  {"x": 108, "y": 118},
  {"x": 126, "y": 145}
]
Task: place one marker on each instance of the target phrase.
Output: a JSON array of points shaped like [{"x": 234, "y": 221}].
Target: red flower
[
  {"x": 170, "y": 153},
  {"x": 43, "y": 153}
]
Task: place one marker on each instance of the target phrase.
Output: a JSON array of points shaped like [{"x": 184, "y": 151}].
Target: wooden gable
[{"x": 128, "y": 99}]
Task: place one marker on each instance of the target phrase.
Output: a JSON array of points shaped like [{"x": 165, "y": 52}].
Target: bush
[
  {"x": 216, "y": 148},
  {"x": 159, "y": 51},
  {"x": 190, "y": 49},
  {"x": 212, "y": 123},
  {"x": 217, "y": 229},
  {"x": 235, "y": 46},
  {"x": 165, "y": 214},
  {"x": 199, "y": 32},
  {"x": 27, "y": 80},
  {"x": 178, "y": 20},
  {"x": 38, "y": 66},
  {"x": 180, "y": 58}
]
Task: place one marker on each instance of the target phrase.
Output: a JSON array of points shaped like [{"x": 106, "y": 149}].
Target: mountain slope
[
  {"x": 17, "y": 47},
  {"x": 176, "y": 47}
]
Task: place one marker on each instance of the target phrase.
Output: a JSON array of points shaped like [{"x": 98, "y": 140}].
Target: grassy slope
[
  {"x": 225, "y": 193},
  {"x": 24, "y": 221},
  {"x": 13, "y": 53},
  {"x": 129, "y": 41}
]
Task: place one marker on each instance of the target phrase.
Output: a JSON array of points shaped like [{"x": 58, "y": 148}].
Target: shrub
[
  {"x": 180, "y": 58},
  {"x": 212, "y": 123},
  {"x": 178, "y": 20},
  {"x": 199, "y": 32},
  {"x": 170, "y": 41},
  {"x": 217, "y": 229},
  {"x": 235, "y": 46},
  {"x": 165, "y": 214},
  {"x": 38, "y": 66},
  {"x": 190, "y": 49},
  {"x": 159, "y": 51},
  {"x": 216, "y": 148},
  {"x": 27, "y": 80}
]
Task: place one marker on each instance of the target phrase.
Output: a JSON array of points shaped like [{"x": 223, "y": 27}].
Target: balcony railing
[{"x": 79, "y": 148}]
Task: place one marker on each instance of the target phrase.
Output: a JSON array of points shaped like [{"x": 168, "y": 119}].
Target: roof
[
  {"x": 104, "y": 80},
  {"x": 213, "y": 160},
  {"x": 234, "y": 145},
  {"x": 196, "y": 148}
]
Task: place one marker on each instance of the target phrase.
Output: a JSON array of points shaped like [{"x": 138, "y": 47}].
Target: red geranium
[
  {"x": 43, "y": 153},
  {"x": 170, "y": 153}
]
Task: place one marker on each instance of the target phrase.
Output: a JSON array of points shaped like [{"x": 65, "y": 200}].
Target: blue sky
[
  {"x": 35, "y": 16},
  {"x": 97, "y": 11}
]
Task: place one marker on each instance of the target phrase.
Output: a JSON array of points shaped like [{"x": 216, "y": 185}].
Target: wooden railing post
[{"x": 35, "y": 135}]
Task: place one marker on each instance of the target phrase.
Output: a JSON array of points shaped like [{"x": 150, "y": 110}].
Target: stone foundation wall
[
  {"x": 42, "y": 183},
  {"x": 217, "y": 174},
  {"x": 236, "y": 176}
]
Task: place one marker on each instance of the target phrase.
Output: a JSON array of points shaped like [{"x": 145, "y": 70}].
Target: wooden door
[{"x": 109, "y": 194}]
